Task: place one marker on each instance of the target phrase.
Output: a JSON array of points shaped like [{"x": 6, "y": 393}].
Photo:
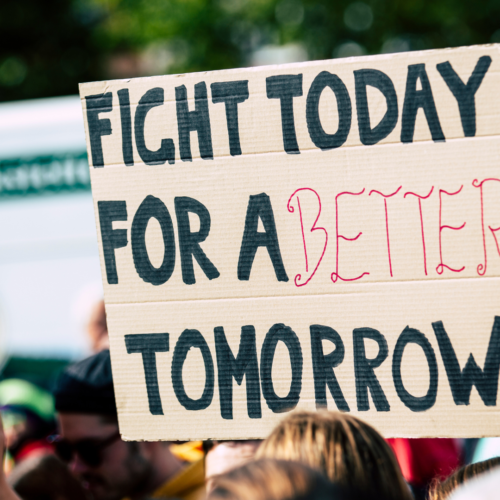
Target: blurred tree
[{"x": 47, "y": 47}]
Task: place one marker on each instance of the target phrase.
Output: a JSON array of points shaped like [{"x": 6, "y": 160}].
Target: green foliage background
[{"x": 47, "y": 47}]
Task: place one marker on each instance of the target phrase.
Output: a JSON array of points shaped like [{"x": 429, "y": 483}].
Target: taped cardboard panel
[
  {"x": 468, "y": 319},
  {"x": 301, "y": 227},
  {"x": 225, "y": 189}
]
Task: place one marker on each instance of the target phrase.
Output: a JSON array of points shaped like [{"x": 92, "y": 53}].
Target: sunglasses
[{"x": 88, "y": 450}]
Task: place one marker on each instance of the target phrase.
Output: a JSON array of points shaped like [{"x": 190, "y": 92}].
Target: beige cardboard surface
[{"x": 419, "y": 259}]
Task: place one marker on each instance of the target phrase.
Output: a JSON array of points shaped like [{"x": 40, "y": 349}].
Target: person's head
[
  {"x": 97, "y": 328},
  {"x": 347, "y": 450},
  {"x": 268, "y": 479},
  {"x": 222, "y": 456},
  {"x": 28, "y": 417},
  {"x": 441, "y": 490},
  {"x": 90, "y": 441}
]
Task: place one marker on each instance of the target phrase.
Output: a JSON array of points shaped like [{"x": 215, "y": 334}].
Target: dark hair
[
  {"x": 109, "y": 419},
  {"x": 268, "y": 479},
  {"x": 443, "y": 489},
  {"x": 87, "y": 387}
]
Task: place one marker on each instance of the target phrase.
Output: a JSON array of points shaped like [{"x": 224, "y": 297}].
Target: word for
[
  {"x": 258, "y": 373},
  {"x": 259, "y": 207},
  {"x": 285, "y": 88}
]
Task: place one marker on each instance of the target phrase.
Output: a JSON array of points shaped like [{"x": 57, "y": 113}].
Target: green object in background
[
  {"x": 44, "y": 175},
  {"x": 39, "y": 371},
  {"x": 47, "y": 48},
  {"x": 17, "y": 392}
]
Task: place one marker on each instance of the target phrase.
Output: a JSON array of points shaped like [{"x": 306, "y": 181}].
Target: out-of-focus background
[{"x": 49, "y": 266}]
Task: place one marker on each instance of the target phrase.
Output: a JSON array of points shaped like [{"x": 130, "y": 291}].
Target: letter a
[{"x": 259, "y": 206}]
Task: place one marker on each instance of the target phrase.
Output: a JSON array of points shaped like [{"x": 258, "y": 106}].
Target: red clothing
[
  {"x": 421, "y": 460},
  {"x": 34, "y": 448}
]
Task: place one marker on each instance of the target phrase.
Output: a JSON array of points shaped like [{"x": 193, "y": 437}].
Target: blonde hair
[
  {"x": 268, "y": 479},
  {"x": 347, "y": 450},
  {"x": 440, "y": 490}
]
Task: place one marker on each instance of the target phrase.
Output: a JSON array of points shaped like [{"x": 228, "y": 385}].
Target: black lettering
[
  {"x": 410, "y": 335},
  {"x": 188, "y": 340},
  {"x": 285, "y": 88},
  {"x": 153, "y": 97},
  {"x": 127, "y": 150},
  {"x": 231, "y": 94},
  {"x": 289, "y": 338},
  {"x": 318, "y": 135},
  {"x": 461, "y": 381},
  {"x": 153, "y": 207},
  {"x": 148, "y": 344},
  {"x": 96, "y": 104},
  {"x": 415, "y": 99},
  {"x": 364, "y": 369},
  {"x": 259, "y": 206},
  {"x": 465, "y": 93},
  {"x": 368, "y": 135},
  {"x": 112, "y": 239},
  {"x": 245, "y": 364},
  {"x": 197, "y": 120},
  {"x": 189, "y": 242},
  {"x": 323, "y": 366}
]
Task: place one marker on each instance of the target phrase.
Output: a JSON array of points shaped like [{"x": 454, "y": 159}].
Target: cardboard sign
[{"x": 324, "y": 234}]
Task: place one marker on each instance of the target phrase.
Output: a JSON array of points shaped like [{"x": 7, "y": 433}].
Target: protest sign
[{"x": 322, "y": 234}]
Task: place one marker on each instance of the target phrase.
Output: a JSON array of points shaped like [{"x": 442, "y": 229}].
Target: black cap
[{"x": 87, "y": 387}]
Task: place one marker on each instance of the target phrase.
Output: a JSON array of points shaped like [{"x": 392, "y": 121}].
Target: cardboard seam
[
  {"x": 302, "y": 296},
  {"x": 307, "y": 150}
]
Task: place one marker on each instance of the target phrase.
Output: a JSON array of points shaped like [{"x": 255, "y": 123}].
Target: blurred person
[
  {"x": 90, "y": 442},
  {"x": 441, "y": 490},
  {"x": 347, "y": 450},
  {"x": 222, "y": 456},
  {"x": 45, "y": 477},
  {"x": 483, "y": 487},
  {"x": 6, "y": 492},
  {"x": 268, "y": 479},
  {"x": 28, "y": 418},
  {"x": 422, "y": 460},
  {"x": 97, "y": 328}
]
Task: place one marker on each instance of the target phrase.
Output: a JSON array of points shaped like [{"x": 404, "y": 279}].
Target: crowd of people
[{"x": 67, "y": 446}]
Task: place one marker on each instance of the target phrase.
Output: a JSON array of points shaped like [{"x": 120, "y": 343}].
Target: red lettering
[
  {"x": 420, "y": 198},
  {"x": 493, "y": 232},
  {"x": 481, "y": 268},
  {"x": 387, "y": 221},
  {"x": 291, "y": 209},
  {"x": 441, "y": 266},
  {"x": 336, "y": 276}
]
